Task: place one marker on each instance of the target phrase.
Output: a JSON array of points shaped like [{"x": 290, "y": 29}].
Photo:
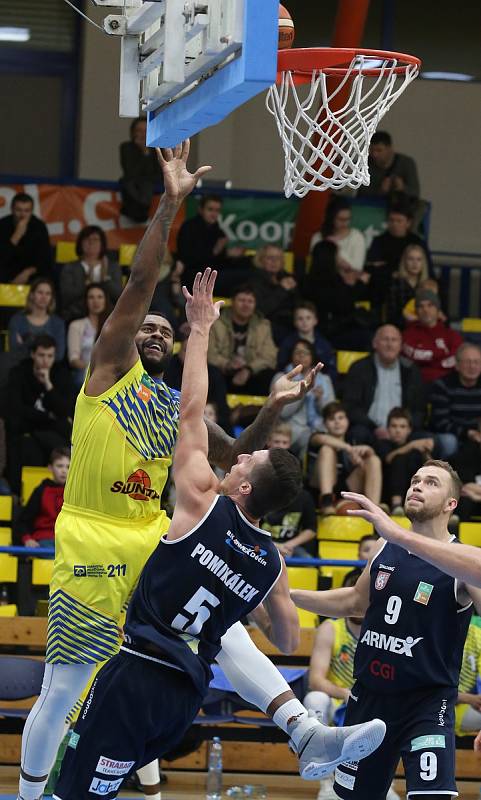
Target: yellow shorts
[{"x": 98, "y": 561}]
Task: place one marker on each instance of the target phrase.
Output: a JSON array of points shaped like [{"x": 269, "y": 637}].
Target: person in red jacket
[
  {"x": 428, "y": 342},
  {"x": 36, "y": 523}
]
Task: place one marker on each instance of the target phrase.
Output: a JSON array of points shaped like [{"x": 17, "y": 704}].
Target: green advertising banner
[{"x": 251, "y": 221}]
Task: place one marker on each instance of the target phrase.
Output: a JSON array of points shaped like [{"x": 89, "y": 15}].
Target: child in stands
[{"x": 36, "y": 523}]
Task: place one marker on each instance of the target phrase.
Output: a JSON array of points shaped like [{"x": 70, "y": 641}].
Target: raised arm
[
  {"x": 223, "y": 449},
  {"x": 115, "y": 352}
]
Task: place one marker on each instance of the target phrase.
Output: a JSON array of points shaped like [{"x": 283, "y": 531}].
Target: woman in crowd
[
  {"x": 38, "y": 317},
  {"x": 413, "y": 270},
  {"x": 336, "y": 228},
  {"x": 83, "y": 332},
  {"x": 304, "y": 416},
  {"x": 93, "y": 266}
]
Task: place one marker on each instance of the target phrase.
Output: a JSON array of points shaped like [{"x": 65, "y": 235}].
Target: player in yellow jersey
[
  {"x": 331, "y": 674},
  {"x": 468, "y": 708},
  {"x": 124, "y": 431}
]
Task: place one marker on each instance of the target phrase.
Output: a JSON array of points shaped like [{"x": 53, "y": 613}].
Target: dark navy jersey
[
  {"x": 194, "y": 588},
  {"x": 413, "y": 634}
]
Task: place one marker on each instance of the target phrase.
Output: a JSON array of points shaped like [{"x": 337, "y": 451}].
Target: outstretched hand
[
  {"x": 200, "y": 309},
  {"x": 287, "y": 390},
  {"x": 369, "y": 511},
  {"x": 178, "y": 181}
]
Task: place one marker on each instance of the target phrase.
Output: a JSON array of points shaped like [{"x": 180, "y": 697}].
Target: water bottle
[{"x": 214, "y": 775}]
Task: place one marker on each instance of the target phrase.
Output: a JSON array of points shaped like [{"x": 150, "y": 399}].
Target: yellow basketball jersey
[
  {"x": 342, "y": 659},
  {"x": 122, "y": 444},
  {"x": 470, "y": 670}
]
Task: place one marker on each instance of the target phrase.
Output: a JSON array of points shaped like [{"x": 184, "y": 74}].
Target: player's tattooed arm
[{"x": 223, "y": 449}]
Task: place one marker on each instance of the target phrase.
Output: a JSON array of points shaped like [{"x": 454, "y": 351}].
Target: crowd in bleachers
[{"x": 399, "y": 384}]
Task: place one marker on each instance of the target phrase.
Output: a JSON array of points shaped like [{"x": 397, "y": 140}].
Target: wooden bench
[{"x": 27, "y": 636}]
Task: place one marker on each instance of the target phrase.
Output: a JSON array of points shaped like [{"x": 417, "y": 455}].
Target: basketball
[
  {"x": 286, "y": 29},
  {"x": 344, "y": 506}
]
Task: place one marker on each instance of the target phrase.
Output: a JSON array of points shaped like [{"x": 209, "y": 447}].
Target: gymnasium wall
[{"x": 435, "y": 122}]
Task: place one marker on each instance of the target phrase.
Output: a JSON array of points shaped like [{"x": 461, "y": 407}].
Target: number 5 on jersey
[{"x": 197, "y": 606}]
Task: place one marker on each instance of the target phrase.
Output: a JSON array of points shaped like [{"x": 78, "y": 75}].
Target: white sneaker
[
  {"x": 326, "y": 790},
  {"x": 392, "y": 795},
  {"x": 321, "y": 749}
]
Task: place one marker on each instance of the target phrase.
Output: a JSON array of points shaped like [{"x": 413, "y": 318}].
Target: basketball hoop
[{"x": 326, "y": 134}]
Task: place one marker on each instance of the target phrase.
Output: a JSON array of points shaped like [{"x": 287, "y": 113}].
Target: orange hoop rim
[{"x": 335, "y": 61}]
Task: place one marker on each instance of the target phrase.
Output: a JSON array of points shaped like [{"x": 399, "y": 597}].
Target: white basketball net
[{"x": 326, "y": 148}]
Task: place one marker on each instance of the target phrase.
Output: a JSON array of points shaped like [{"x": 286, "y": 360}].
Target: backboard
[{"x": 189, "y": 63}]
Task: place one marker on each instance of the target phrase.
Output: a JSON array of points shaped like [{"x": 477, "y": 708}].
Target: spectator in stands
[
  {"x": 83, "y": 333},
  {"x": 276, "y": 290},
  {"x": 456, "y": 398},
  {"x": 331, "y": 675},
  {"x": 242, "y": 347},
  {"x": 217, "y": 386},
  {"x": 403, "y": 456},
  {"x": 305, "y": 327},
  {"x": 385, "y": 252},
  {"x": 378, "y": 383},
  {"x": 93, "y": 266},
  {"x": 25, "y": 251},
  {"x": 140, "y": 172},
  {"x": 41, "y": 399},
  {"x": 37, "y": 318},
  {"x": 36, "y": 522},
  {"x": 305, "y": 415},
  {"x": 428, "y": 343},
  {"x": 293, "y": 529},
  {"x": 390, "y": 172},
  {"x": 467, "y": 462},
  {"x": 342, "y": 466},
  {"x": 336, "y": 228},
  {"x": 168, "y": 298},
  {"x": 468, "y": 708},
  {"x": 339, "y": 293},
  {"x": 367, "y": 546},
  {"x": 413, "y": 270}
]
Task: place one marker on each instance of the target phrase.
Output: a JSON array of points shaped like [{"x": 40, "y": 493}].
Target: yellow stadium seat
[
  {"x": 338, "y": 550},
  {"x": 343, "y": 528},
  {"x": 31, "y": 477},
  {"x": 126, "y": 254},
  {"x": 5, "y": 508},
  {"x": 10, "y": 610},
  {"x": 289, "y": 262},
  {"x": 8, "y": 568},
  {"x": 346, "y": 358},
  {"x": 304, "y": 578},
  {"x": 13, "y": 295},
  {"x": 234, "y": 400},
  {"x": 5, "y": 537},
  {"x": 65, "y": 252},
  {"x": 227, "y": 301},
  {"x": 366, "y": 304},
  {"x": 336, "y": 574},
  {"x": 42, "y": 571},
  {"x": 470, "y": 533},
  {"x": 404, "y": 522},
  {"x": 471, "y": 325}
]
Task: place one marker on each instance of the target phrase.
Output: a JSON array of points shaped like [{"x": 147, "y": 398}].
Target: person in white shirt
[
  {"x": 83, "y": 333},
  {"x": 336, "y": 228}
]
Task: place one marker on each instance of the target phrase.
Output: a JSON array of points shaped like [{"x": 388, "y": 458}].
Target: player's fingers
[
  {"x": 196, "y": 286},
  {"x": 201, "y": 171},
  {"x": 186, "y": 293},
  {"x": 160, "y": 155},
  {"x": 359, "y": 512},
  {"x": 167, "y": 154},
  {"x": 177, "y": 151},
  {"x": 185, "y": 149},
  {"x": 204, "y": 284},
  {"x": 211, "y": 282},
  {"x": 218, "y": 305},
  {"x": 294, "y": 372}
]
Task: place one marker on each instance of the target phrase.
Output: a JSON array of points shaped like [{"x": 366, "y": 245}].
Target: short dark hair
[
  {"x": 275, "y": 484},
  {"x": 381, "y": 137},
  {"x": 456, "y": 482},
  {"x": 42, "y": 340},
  {"x": 307, "y": 305},
  {"x": 244, "y": 288},
  {"x": 59, "y": 452},
  {"x": 399, "y": 413},
  {"x": 336, "y": 205},
  {"x": 368, "y": 537},
  {"x": 209, "y": 198},
  {"x": 332, "y": 408},
  {"x": 352, "y": 577},
  {"x": 403, "y": 208},
  {"x": 21, "y": 197},
  {"x": 308, "y": 345},
  {"x": 134, "y": 124},
  {"x": 85, "y": 233}
]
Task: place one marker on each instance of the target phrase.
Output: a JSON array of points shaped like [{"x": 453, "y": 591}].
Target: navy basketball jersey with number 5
[
  {"x": 414, "y": 630},
  {"x": 194, "y": 588}
]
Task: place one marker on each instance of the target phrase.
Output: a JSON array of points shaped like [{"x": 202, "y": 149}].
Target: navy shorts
[
  {"x": 420, "y": 731},
  {"x": 136, "y": 710}
]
